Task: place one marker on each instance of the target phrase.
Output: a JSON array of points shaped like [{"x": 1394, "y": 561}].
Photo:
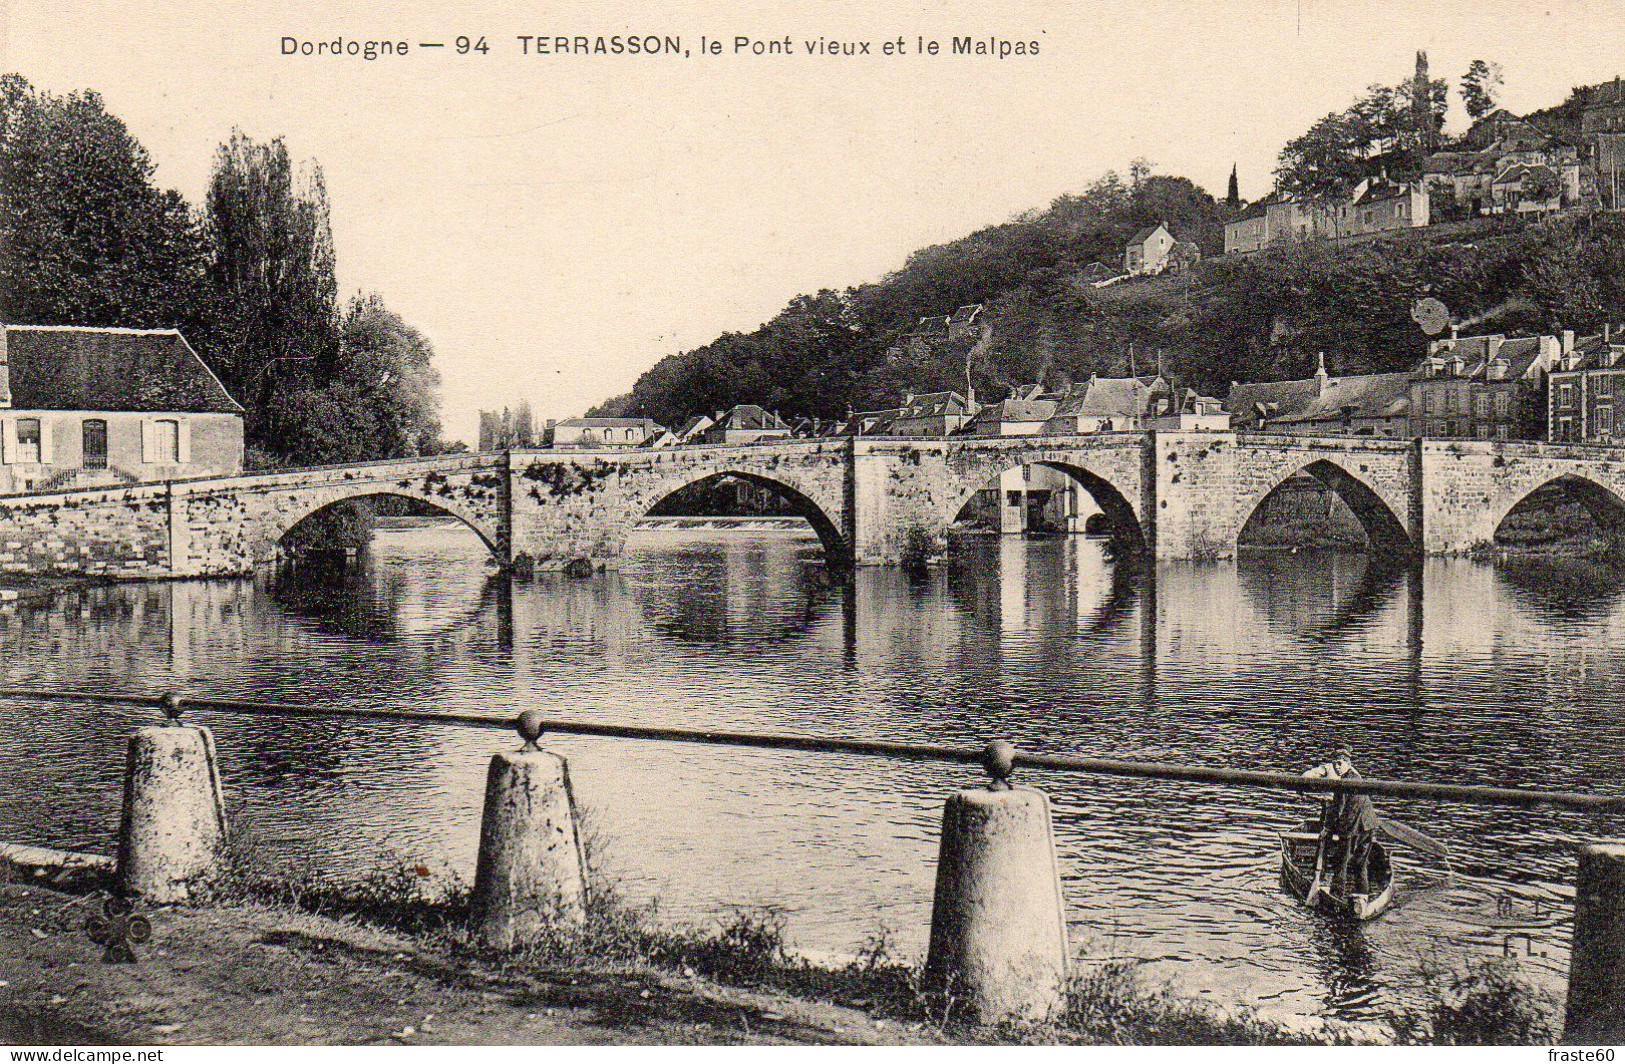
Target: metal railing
[{"x": 998, "y": 758}]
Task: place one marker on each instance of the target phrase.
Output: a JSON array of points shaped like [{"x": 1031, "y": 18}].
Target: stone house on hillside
[
  {"x": 1248, "y": 231},
  {"x": 1602, "y": 128},
  {"x": 91, "y": 406},
  {"x": 1478, "y": 177},
  {"x": 1148, "y": 250}
]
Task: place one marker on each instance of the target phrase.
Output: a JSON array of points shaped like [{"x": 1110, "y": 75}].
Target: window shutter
[
  {"x": 146, "y": 441},
  {"x": 8, "y": 442},
  {"x": 183, "y": 440},
  {"x": 47, "y": 453}
]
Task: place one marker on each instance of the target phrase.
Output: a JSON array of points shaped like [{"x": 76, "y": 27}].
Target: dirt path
[{"x": 252, "y": 975}]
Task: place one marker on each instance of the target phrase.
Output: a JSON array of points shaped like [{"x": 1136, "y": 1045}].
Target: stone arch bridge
[{"x": 1176, "y": 495}]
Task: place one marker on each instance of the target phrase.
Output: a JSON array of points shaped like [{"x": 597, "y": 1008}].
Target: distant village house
[
  {"x": 745, "y": 423},
  {"x": 590, "y": 432}
]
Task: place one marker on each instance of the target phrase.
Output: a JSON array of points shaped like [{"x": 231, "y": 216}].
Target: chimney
[
  {"x": 5, "y": 370},
  {"x": 1320, "y": 373},
  {"x": 1568, "y": 340}
]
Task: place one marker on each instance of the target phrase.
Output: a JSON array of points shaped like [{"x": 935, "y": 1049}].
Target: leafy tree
[
  {"x": 1232, "y": 195},
  {"x": 85, "y": 236},
  {"x": 1326, "y": 161},
  {"x": 1479, "y": 87},
  {"x": 1540, "y": 185},
  {"x": 273, "y": 270}
]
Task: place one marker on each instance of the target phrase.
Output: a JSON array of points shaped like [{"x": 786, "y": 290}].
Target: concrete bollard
[
  {"x": 998, "y": 923},
  {"x": 173, "y": 828},
  {"x": 1596, "y": 1002},
  {"x": 530, "y": 875}
]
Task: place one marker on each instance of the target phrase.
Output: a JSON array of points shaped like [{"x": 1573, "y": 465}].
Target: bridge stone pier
[{"x": 1175, "y": 495}]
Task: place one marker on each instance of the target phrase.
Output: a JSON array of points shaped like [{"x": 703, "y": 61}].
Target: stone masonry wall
[
  {"x": 899, "y": 485},
  {"x": 120, "y": 533},
  {"x": 1471, "y": 486},
  {"x": 583, "y": 504}
]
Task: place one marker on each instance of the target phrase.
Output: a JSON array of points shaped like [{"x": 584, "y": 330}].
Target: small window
[
  {"x": 1481, "y": 406},
  {"x": 28, "y": 440},
  {"x": 1502, "y": 404},
  {"x": 1013, "y": 498}
]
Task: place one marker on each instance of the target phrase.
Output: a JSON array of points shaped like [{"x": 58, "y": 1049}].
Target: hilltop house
[
  {"x": 87, "y": 406},
  {"x": 1485, "y": 174},
  {"x": 605, "y": 431},
  {"x": 1602, "y": 128},
  {"x": 1248, "y": 231},
  {"x": 1148, "y": 251},
  {"x": 1378, "y": 206},
  {"x": 1484, "y": 387},
  {"x": 1110, "y": 404}
]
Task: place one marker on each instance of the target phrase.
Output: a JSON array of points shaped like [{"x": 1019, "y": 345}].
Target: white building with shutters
[{"x": 89, "y": 406}]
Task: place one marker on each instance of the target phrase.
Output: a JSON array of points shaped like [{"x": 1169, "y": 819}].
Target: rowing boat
[{"x": 1299, "y": 850}]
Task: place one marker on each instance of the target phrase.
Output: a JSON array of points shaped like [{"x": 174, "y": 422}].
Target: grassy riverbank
[{"x": 382, "y": 959}]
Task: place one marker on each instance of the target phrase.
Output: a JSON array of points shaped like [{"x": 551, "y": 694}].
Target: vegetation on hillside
[{"x": 1230, "y": 319}]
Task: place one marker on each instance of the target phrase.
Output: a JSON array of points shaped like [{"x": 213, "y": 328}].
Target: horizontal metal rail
[{"x": 989, "y": 757}]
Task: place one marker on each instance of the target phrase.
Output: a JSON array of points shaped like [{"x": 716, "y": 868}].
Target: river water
[{"x": 1460, "y": 671}]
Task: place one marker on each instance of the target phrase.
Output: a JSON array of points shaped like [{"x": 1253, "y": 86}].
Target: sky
[{"x": 557, "y": 224}]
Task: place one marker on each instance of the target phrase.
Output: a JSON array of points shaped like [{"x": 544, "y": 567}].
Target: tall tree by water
[{"x": 273, "y": 268}]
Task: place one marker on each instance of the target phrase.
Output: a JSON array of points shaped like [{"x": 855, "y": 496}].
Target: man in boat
[{"x": 1348, "y": 828}]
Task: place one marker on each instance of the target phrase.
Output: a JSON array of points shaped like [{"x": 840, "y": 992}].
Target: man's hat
[{"x": 1343, "y": 754}]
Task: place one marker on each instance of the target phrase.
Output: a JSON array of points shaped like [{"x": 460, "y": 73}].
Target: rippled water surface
[{"x": 1458, "y": 672}]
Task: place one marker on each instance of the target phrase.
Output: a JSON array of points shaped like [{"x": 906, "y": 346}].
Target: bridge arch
[
  {"x": 799, "y": 498},
  {"x": 1383, "y": 528},
  {"x": 1603, "y": 503},
  {"x": 1122, "y": 518},
  {"x": 281, "y": 512}
]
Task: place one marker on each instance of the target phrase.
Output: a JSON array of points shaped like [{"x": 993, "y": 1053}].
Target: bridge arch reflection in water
[{"x": 1055, "y": 643}]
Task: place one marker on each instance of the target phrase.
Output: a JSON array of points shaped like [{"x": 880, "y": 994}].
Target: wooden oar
[
  {"x": 1320, "y": 864},
  {"x": 1416, "y": 840}
]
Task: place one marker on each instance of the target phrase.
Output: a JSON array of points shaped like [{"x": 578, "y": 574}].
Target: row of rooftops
[{"x": 1490, "y": 358}]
